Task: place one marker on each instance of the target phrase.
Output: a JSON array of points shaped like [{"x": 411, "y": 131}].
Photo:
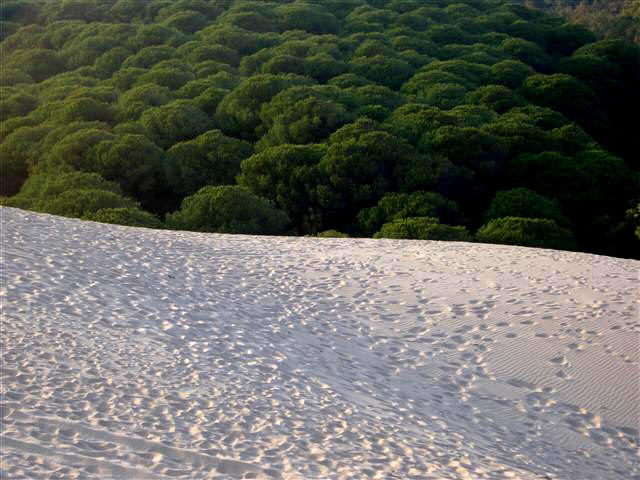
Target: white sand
[{"x": 133, "y": 353}]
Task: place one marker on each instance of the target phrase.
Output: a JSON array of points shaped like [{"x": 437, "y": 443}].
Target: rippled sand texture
[{"x": 132, "y": 353}]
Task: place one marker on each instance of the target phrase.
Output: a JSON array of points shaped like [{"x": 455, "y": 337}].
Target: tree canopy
[{"x": 498, "y": 120}]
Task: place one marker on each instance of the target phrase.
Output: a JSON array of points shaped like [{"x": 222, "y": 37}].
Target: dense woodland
[
  {"x": 607, "y": 18},
  {"x": 457, "y": 120}
]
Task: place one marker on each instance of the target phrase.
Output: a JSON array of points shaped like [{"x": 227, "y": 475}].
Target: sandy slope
[{"x": 132, "y": 353}]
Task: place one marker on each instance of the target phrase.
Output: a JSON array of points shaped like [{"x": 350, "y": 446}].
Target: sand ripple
[{"x": 132, "y": 353}]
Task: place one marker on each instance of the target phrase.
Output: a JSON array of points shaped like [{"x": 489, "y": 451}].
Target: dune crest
[{"x": 134, "y": 353}]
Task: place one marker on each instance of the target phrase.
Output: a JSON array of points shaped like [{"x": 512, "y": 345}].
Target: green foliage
[
  {"x": 510, "y": 73},
  {"x": 634, "y": 215},
  {"x": 572, "y": 139},
  {"x": 10, "y": 76},
  {"x": 470, "y": 147},
  {"x": 39, "y": 63},
  {"x": 520, "y": 133},
  {"x": 289, "y": 176},
  {"x": 18, "y": 154},
  {"x": 301, "y": 115},
  {"x": 195, "y": 52},
  {"x": 522, "y": 202},
  {"x": 396, "y": 206},
  {"x": 413, "y": 120},
  {"x": 592, "y": 178},
  {"x": 422, "y": 228},
  {"x": 150, "y": 56},
  {"x": 552, "y": 175},
  {"x": 386, "y": 71},
  {"x": 154, "y": 35},
  {"x": 444, "y": 96},
  {"x": 83, "y": 51},
  {"x": 362, "y": 163},
  {"x": 310, "y": 17},
  {"x": 186, "y": 22},
  {"x": 209, "y": 159},
  {"x": 323, "y": 67},
  {"x": 84, "y": 109},
  {"x": 135, "y": 163},
  {"x": 242, "y": 41},
  {"x": 132, "y": 217},
  {"x": 237, "y": 114},
  {"x": 622, "y": 54},
  {"x": 74, "y": 147},
  {"x": 81, "y": 203},
  {"x": 565, "y": 94},
  {"x": 125, "y": 78},
  {"x": 362, "y": 112},
  {"x": 138, "y": 99},
  {"x": 17, "y": 105},
  {"x": 72, "y": 194},
  {"x": 170, "y": 77},
  {"x": 175, "y": 122},
  {"x": 110, "y": 62},
  {"x": 331, "y": 234},
  {"x": 528, "y": 232},
  {"x": 348, "y": 80},
  {"x": 527, "y": 52},
  {"x": 615, "y": 19},
  {"x": 228, "y": 209},
  {"x": 473, "y": 74},
  {"x": 48, "y": 185},
  {"x": 496, "y": 97},
  {"x": 374, "y": 95}
]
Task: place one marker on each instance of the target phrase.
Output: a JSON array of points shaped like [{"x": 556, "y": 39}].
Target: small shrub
[
  {"x": 331, "y": 234},
  {"x": 528, "y": 232},
  {"x": 522, "y": 202},
  {"x": 82, "y": 203},
  {"x": 228, "y": 209},
  {"x": 422, "y": 228},
  {"x": 132, "y": 217}
]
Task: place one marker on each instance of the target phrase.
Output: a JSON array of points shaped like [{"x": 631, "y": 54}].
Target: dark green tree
[
  {"x": 362, "y": 163},
  {"x": 73, "y": 147},
  {"x": 150, "y": 56},
  {"x": 19, "y": 153},
  {"x": 471, "y": 100},
  {"x": 228, "y": 209},
  {"x": 186, "y": 21},
  {"x": 568, "y": 96},
  {"x": 83, "y": 203},
  {"x": 386, "y": 71},
  {"x": 528, "y": 232},
  {"x": 522, "y": 202},
  {"x": 331, "y": 234},
  {"x": 496, "y": 97},
  {"x": 289, "y": 176},
  {"x": 175, "y": 122},
  {"x": 413, "y": 120},
  {"x": 42, "y": 188},
  {"x": 136, "y": 101},
  {"x": 38, "y": 63},
  {"x": 238, "y": 113},
  {"x": 209, "y": 159},
  {"x": 132, "y": 217},
  {"x": 395, "y": 206},
  {"x": 301, "y": 115},
  {"x": 311, "y": 17},
  {"x": 136, "y": 164},
  {"x": 166, "y": 76},
  {"x": 422, "y": 228}
]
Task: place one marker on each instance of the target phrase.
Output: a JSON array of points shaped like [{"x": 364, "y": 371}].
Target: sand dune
[{"x": 133, "y": 353}]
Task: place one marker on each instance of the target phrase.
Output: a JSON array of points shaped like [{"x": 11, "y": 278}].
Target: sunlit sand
[{"x": 134, "y": 353}]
